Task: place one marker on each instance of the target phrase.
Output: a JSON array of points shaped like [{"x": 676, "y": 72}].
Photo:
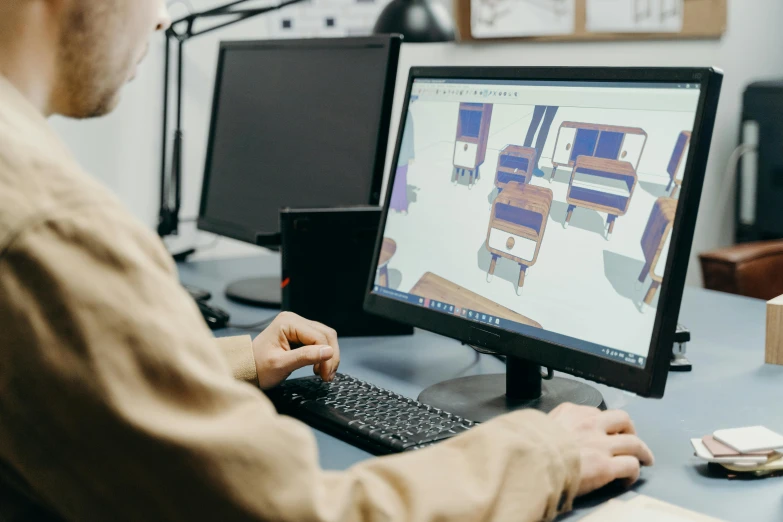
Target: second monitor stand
[
  {"x": 482, "y": 397},
  {"x": 263, "y": 292}
]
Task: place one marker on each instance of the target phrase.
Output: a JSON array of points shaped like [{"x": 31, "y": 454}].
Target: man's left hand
[{"x": 292, "y": 342}]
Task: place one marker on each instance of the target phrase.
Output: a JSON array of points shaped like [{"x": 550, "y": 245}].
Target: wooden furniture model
[
  {"x": 517, "y": 226},
  {"x": 600, "y": 141},
  {"x": 388, "y": 249},
  {"x": 431, "y": 286},
  {"x": 753, "y": 269},
  {"x": 676, "y": 168},
  {"x": 470, "y": 147},
  {"x": 603, "y": 185},
  {"x": 655, "y": 244},
  {"x": 515, "y": 164},
  {"x": 774, "y": 341}
]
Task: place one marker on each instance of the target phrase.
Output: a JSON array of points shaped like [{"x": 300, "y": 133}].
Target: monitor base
[
  {"x": 482, "y": 397},
  {"x": 263, "y": 292}
]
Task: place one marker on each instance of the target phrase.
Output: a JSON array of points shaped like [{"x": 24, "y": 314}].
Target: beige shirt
[{"x": 116, "y": 402}]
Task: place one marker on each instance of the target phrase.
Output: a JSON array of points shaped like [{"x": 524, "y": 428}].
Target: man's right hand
[{"x": 608, "y": 445}]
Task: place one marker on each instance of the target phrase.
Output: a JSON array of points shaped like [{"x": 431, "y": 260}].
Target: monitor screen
[
  {"x": 540, "y": 208},
  {"x": 299, "y": 124}
]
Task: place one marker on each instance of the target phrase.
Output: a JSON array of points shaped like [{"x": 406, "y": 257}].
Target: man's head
[
  {"x": 101, "y": 42},
  {"x": 72, "y": 57}
]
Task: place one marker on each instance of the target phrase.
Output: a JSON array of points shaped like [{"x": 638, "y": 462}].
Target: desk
[
  {"x": 436, "y": 288},
  {"x": 729, "y": 386}
]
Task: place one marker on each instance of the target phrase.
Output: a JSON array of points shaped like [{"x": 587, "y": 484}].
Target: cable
[{"x": 731, "y": 172}]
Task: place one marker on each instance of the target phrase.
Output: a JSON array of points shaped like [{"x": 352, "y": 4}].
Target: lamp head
[{"x": 416, "y": 20}]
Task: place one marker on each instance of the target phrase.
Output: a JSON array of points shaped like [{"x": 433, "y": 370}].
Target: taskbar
[{"x": 482, "y": 317}]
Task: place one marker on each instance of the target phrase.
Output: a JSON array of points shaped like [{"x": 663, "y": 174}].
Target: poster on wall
[
  {"x": 326, "y": 18},
  {"x": 635, "y": 16},
  {"x": 518, "y": 18}
]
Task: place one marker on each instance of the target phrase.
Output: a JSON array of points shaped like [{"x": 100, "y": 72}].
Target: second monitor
[{"x": 299, "y": 124}]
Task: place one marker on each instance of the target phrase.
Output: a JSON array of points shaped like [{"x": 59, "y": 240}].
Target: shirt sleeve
[
  {"x": 116, "y": 404},
  {"x": 239, "y": 354}
]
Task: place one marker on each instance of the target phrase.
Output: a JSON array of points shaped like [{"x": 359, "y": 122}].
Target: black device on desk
[
  {"x": 295, "y": 123},
  {"x": 326, "y": 259},
  {"x": 511, "y": 276}
]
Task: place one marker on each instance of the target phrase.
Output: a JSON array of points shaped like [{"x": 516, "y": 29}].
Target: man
[{"x": 116, "y": 402}]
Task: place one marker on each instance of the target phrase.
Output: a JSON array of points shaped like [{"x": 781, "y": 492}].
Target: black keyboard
[{"x": 364, "y": 415}]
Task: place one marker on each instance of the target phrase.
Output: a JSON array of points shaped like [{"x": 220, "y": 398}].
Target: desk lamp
[{"x": 418, "y": 21}]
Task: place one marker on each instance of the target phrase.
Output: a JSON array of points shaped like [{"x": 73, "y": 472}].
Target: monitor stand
[
  {"x": 264, "y": 292},
  {"x": 482, "y": 397}
]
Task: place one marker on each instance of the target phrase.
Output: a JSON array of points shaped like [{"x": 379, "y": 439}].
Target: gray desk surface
[{"x": 730, "y": 386}]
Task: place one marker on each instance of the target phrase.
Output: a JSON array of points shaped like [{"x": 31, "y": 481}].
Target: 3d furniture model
[
  {"x": 470, "y": 148},
  {"x": 603, "y": 185},
  {"x": 676, "y": 168},
  {"x": 517, "y": 225},
  {"x": 515, "y": 164},
  {"x": 601, "y": 141},
  {"x": 431, "y": 286},
  {"x": 388, "y": 249},
  {"x": 655, "y": 244},
  {"x": 752, "y": 269}
]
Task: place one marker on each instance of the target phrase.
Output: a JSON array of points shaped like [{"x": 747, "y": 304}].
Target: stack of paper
[
  {"x": 754, "y": 449},
  {"x": 644, "y": 509}
]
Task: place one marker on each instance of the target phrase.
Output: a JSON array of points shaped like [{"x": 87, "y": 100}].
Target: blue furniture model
[
  {"x": 576, "y": 139},
  {"x": 470, "y": 146}
]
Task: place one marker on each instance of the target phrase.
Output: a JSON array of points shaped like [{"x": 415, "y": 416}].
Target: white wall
[{"x": 123, "y": 149}]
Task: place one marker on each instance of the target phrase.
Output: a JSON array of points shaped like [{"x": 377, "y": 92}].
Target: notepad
[
  {"x": 752, "y": 439},
  {"x": 644, "y": 509}
]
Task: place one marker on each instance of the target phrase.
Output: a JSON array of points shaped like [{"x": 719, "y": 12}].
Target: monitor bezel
[
  {"x": 244, "y": 232},
  {"x": 649, "y": 381}
]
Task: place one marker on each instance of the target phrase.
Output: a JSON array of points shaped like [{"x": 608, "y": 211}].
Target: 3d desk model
[
  {"x": 388, "y": 249},
  {"x": 655, "y": 244},
  {"x": 730, "y": 386},
  {"x": 601, "y": 141},
  {"x": 515, "y": 163},
  {"x": 434, "y": 287},
  {"x": 517, "y": 226},
  {"x": 676, "y": 168},
  {"x": 470, "y": 147},
  {"x": 603, "y": 185}
]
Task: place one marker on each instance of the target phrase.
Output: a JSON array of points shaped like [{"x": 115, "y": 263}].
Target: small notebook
[
  {"x": 644, "y": 509},
  {"x": 718, "y": 449},
  {"x": 754, "y": 438}
]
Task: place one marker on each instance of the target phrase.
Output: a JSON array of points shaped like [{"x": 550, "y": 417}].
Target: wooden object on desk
[
  {"x": 434, "y": 287},
  {"x": 576, "y": 139},
  {"x": 774, "y": 351},
  {"x": 655, "y": 244},
  {"x": 676, "y": 168},
  {"x": 515, "y": 163},
  {"x": 701, "y": 19},
  {"x": 517, "y": 225},
  {"x": 388, "y": 249},
  {"x": 470, "y": 145},
  {"x": 603, "y": 185}
]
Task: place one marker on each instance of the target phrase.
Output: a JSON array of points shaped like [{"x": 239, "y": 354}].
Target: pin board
[{"x": 586, "y": 20}]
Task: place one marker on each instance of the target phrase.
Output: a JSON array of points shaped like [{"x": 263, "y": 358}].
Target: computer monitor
[
  {"x": 546, "y": 214},
  {"x": 299, "y": 124}
]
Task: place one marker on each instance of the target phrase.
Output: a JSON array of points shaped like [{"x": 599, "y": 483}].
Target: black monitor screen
[{"x": 295, "y": 124}]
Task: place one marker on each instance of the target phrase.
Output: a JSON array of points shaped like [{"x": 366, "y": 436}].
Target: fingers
[
  {"x": 292, "y": 360},
  {"x": 631, "y": 446},
  {"x": 302, "y": 331},
  {"x": 626, "y": 468},
  {"x": 616, "y": 421}
]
